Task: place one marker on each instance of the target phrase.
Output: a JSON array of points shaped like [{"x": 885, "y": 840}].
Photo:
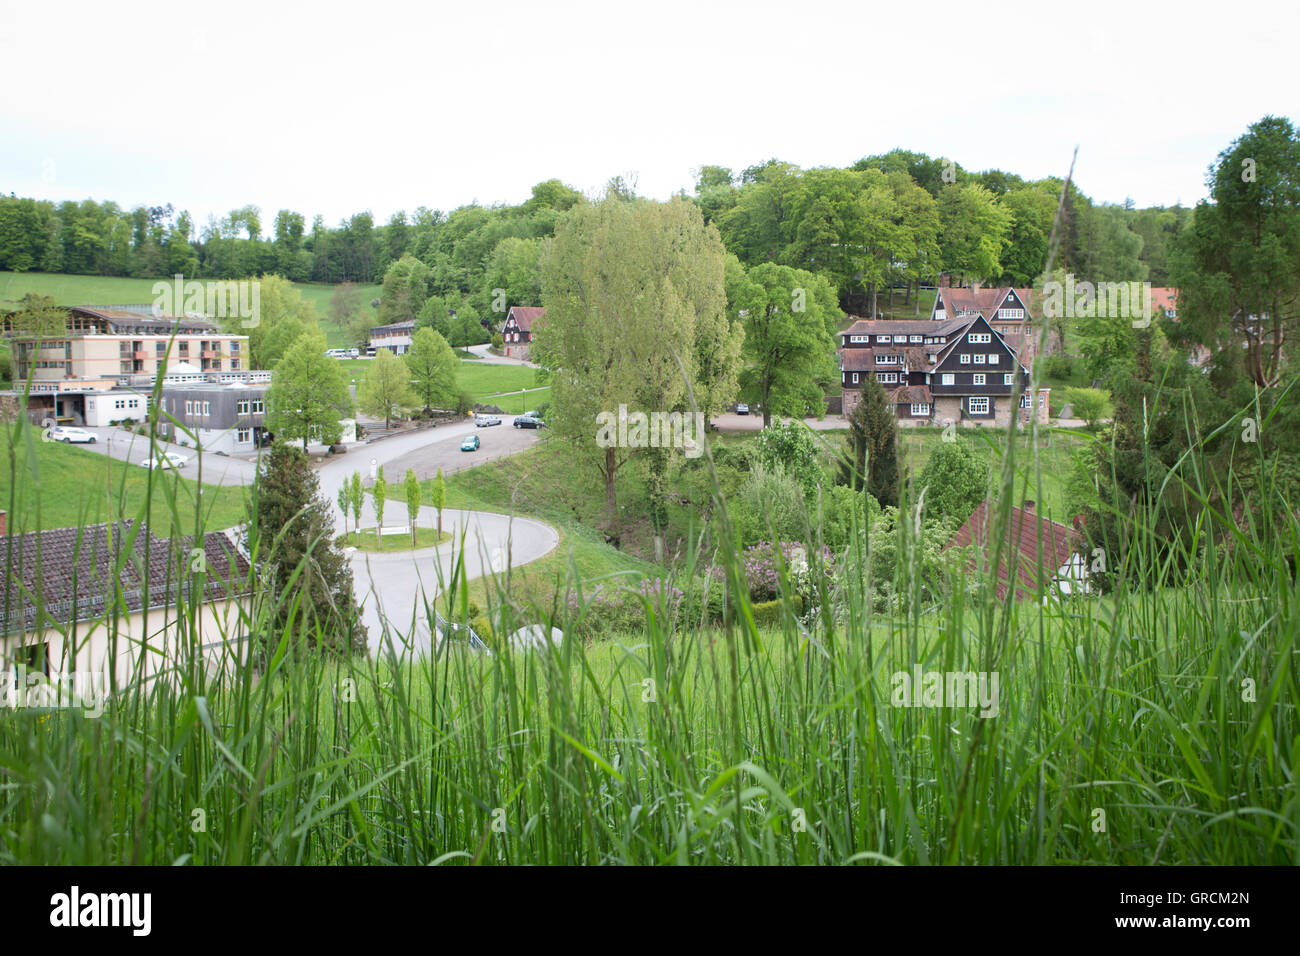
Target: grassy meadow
[
  {"x": 1152, "y": 724},
  {"x": 69, "y": 290}
]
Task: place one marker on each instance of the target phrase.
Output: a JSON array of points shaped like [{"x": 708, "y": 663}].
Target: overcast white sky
[{"x": 335, "y": 108}]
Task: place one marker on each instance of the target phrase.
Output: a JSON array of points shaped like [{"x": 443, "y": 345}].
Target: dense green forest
[{"x": 894, "y": 220}]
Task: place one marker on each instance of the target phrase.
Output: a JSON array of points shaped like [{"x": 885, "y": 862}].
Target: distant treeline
[{"x": 888, "y": 221}]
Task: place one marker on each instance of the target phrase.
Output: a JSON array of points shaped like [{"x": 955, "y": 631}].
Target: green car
[{"x": 470, "y": 443}]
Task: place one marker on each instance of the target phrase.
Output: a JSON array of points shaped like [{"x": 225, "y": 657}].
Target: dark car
[{"x": 528, "y": 421}]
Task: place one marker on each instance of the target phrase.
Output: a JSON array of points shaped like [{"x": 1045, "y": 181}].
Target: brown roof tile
[
  {"x": 1023, "y": 531},
  {"x": 74, "y": 574}
]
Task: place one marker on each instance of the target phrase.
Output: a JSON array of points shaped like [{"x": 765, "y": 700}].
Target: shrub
[
  {"x": 498, "y": 342},
  {"x": 621, "y": 609},
  {"x": 770, "y": 504},
  {"x": 1057, "y": 367},
  {"x": 955, "y": 481},
  {"x": 790, "y": 447}
]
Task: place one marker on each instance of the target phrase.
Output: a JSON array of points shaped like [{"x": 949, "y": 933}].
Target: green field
[
  {"x": 60, "y": 486},
  {"x": 485, "y": 382},
  {"x": 69, "y": 290}
]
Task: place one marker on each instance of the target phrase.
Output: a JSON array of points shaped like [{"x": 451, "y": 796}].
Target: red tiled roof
[
  {"x": 1163, "y": 297},
  {"x": 984, "y": 301},
  {"x": 1023, "y": 531},
  {"x": 526, "y": 315}
]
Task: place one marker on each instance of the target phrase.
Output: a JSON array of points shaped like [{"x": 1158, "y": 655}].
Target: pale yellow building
[
  {"x": 103, "y": 342},
  {"x": 79, "y": 602}
]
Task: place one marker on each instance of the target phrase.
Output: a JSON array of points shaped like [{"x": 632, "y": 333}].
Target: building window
[
  {"x": 979, "y": 337},
  {"x": 1006, "y": 378},
  {"x": 243, "y": 435},
  {"x": 965, "y": 358},
  {"x": 993, "y": 359},
  {"x": 915, "y": 338},
  {"x": 887, "y": 378},
  {"x": 855, "y": 378},
  {"x": 207, "y": 408},
  {"x": 977, "y": 406},
  {"x": 948, "y": 378},
  {"x": 883, "y": 338},
  {"x": 920, "y": 410},
  {"x": 979, "y": 358},
  {"x": 242, "y": 407},
  {"x": 189, "y": 407},
  {"x": 859, "y": 338},
  {"x": 1026, "y": 400},
  {"x": 977, "y": 378},
  {"x": 258, "y": 406},
  {"x": 1011, "y": 313}
]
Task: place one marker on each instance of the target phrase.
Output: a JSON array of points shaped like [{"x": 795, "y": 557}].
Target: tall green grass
[{"x": 1153, "y": 724}]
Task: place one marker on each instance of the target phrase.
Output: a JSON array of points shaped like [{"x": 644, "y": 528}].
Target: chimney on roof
[{"x": 1027, "y": 506}]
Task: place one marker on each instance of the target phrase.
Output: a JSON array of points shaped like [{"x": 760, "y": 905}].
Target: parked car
[
  {"x": 69, "y": 435},
  {"x": 470, "y": 443},
  {"x": 370, "y": 352},
  {"x": 528, "y": 421},
  {"x": 354, "y": 353},
  {"x": 485, "y": 421},
  {"x": 742, "y": 409},
  {"x": 171, "y": 459}
]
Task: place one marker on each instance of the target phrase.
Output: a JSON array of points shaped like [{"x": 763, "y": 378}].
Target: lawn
[
  {"x": 62, "y": 486},
  {"x": 368, "y": 541},
  {"x": 71, "y": 290}
]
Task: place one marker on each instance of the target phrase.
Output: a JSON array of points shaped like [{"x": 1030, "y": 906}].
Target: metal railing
[{"x": 448, "y": 628}]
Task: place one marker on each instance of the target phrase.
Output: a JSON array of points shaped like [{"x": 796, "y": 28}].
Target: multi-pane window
[
  {"x": 1006, "y": 378},
  {"x": 887, "y": 378},
  {"x": 241, "y": 408},
  {"x": 948, "y": 378},
  {"x": 979, "y": 358},
  {"x": 883, "y": 338},
  {"x": 979, "y": 337},
  {"x": 915, "y": 338},
  {"x": 243, "y": 435},
  {"x": 859, "y": 338},
  {"x": 977, "y": 406},
  {"x": 965, "y": 358},
  {"x": 921, "y": 409},
  {"x": 189, "y": 407},
  {"x": 978, "y": 378},
  {"x": 207, "y": 408},
  {"x": 855, "y": 378},
  {"x": 993, "y": 358}
]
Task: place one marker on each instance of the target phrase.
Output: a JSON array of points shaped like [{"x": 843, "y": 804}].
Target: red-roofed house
[
  {"x": 518, "y": 329},
  {"x": 1065, "y": 570}
]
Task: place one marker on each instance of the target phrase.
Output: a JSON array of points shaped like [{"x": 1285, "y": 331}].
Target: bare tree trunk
[{"x": 611, "y": 499}]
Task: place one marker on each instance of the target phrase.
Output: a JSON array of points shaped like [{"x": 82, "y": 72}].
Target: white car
[
  {"x": 70, "y": 435},
  {"x": 171, "y": 459}
]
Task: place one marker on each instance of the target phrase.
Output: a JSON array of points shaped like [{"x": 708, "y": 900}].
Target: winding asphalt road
[{"x": 392, "y": 588}]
